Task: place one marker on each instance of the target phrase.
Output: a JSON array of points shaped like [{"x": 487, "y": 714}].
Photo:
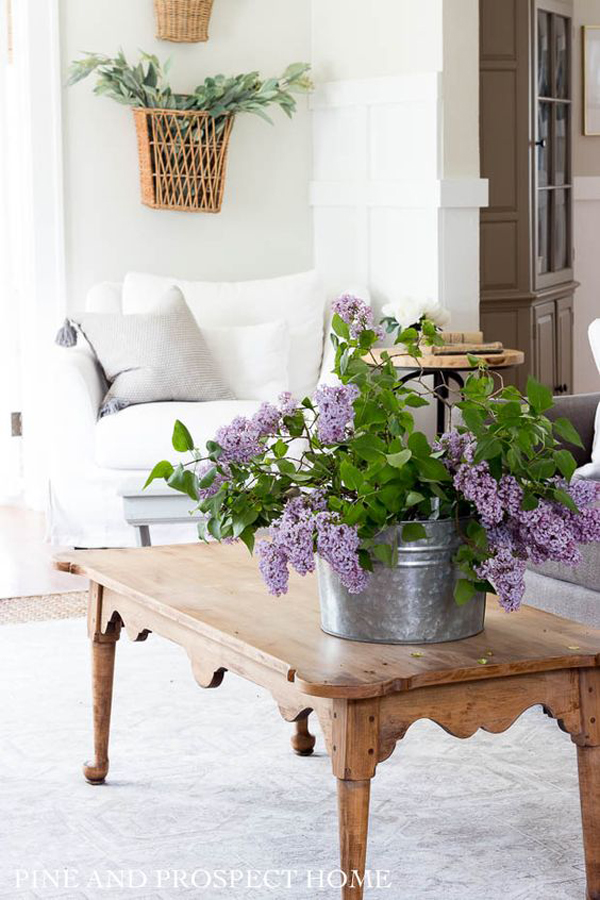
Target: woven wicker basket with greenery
[
  {"x": 185, "y": 21},
  {"x": 183, "y": 138},
  {"x": 182, "y": 159}
]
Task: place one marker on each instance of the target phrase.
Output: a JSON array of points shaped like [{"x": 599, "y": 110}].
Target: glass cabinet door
[{"x": 553, "y": 185}]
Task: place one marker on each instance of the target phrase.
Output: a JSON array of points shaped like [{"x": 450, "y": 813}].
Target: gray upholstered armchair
[{"x": 574, "y": 593}]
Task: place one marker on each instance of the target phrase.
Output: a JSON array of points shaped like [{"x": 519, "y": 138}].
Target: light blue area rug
[{"x": 203, "y": 781}]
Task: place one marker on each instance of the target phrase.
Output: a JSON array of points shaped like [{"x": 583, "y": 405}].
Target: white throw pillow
[
  {"x": 253, "y": 359},
  {"x": 151, "y": 357},
  {"x": 298, "y": 299}
]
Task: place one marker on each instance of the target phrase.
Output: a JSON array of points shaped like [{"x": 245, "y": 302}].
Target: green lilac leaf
[
  {"x": 413, "y": 531},
  {"x": 539, "y": 396},
  {"x": 463, "y": 591},
  {"x": 182, "y": 439},
  {"x": 162, "y": 469},
  {"x": 567, "y": 432}
]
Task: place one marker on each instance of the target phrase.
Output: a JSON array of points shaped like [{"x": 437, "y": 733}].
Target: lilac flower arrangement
[{"x": 330, "y": 474}]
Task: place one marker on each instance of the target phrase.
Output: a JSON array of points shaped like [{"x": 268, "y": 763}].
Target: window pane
[
  {"x": 544, "y": 54},
  {"x": 561, "y": 245},
  {"x": 543, "y": 231},
  {"x": 561, "y": 174},
  {"x": 561, "y": 57},
  {"x": 543, "y": 146}
]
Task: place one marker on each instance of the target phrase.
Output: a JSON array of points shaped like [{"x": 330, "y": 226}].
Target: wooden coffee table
[{"x": 210, "y": 599}]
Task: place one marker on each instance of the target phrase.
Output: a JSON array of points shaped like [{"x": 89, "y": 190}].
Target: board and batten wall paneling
[
  {"x": 265, "y": 227},
  {"x": 384, "y": 214}
]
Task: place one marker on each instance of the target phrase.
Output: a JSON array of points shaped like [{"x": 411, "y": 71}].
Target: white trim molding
[
  {"x": 39, "y": 270},
  {"x": 384, "y": 214},
  {"x": 455, "y": 193},
  {"x": 413, "y": 88}
]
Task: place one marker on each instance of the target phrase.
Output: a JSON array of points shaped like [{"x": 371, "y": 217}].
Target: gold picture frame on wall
[{"x": 591, "y": 79}]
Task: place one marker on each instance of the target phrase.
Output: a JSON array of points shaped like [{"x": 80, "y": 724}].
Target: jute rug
[{"x": 17, "y": 610}]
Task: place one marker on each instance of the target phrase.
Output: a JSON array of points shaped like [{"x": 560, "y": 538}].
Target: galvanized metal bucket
[{"x": 411, "y": 603}]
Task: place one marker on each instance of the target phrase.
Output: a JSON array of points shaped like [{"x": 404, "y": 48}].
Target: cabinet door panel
[
  {"x": 545, "y": 344},
  {"x": 564, "y": 343}
]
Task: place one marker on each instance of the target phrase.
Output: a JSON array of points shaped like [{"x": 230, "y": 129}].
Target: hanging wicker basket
[
  {"x": 183, "y": 157},
  {"x": 185, "y": 21}
]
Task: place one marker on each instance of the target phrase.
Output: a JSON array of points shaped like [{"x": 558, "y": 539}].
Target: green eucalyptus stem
[{"x": 146, "y": 85}]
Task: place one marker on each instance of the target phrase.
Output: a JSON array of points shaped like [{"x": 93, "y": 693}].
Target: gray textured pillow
[{"x": 157, "y": 356}]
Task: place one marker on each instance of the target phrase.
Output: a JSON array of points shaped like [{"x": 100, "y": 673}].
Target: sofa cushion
[
  {"x": 140, "y": 436},
  {"x": 297, "y": 299},
  {"x": 585, "y": 574},
  {"x": 159, "y": 355},
  {"x": 253, "y": 358}
]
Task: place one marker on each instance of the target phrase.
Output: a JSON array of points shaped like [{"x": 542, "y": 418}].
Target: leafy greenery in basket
[
  {"x": 146, "y": 85},
  {"x": 333, "y": 473}
]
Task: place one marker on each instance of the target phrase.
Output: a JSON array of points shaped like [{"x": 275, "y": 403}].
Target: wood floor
[{"x": 25, "y": 559}]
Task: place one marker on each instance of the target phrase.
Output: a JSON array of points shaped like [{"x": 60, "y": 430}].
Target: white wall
[
  {"x": 265, "y": 226},
  {"x": 461, "y": 88},
  {"x": 586, "y": 166},
  {"x": 396, "y": 190},
  {"x": 354, "y": 39}
]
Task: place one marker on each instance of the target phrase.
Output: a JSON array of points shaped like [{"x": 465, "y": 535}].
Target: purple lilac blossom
[
  {"x": 545, "y": 534},
  {"x": 356, "y": 314},
  {"x": 459, "y": 448},
  {"x": 510, "y": 494},
  {"x": 585, "y": 525},
  {"x": 287, "y": 404},
  {"x": 548, "y": 532},
  {"x": 506, "y": 572},
  {"x": 336, "y": 413},
  {"x": 292, "y": 544},
  {"x": 273, "y": 565},
  {"x": 267, "y": 420},
  {"x": 293, "y": 532},
  {"x": 338, "y": 545},
  {"x": 584, "y": 492},
  {"x": 239, "y": 440},
  {"x": 477, "y": 485}
]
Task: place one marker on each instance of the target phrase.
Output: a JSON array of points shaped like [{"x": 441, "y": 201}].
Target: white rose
[
  {"x": 436, "y": 312},
  {"x": 406, "y": 311}
]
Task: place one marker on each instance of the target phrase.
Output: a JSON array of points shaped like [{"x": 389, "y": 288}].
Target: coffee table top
[{"x": 217, "y": 592}]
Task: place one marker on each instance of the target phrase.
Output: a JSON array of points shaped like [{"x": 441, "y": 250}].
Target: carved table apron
[{"x": 210, "y": 600}]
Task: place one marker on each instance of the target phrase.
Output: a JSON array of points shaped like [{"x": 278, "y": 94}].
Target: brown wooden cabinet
[{"x": 527, "y": 284}]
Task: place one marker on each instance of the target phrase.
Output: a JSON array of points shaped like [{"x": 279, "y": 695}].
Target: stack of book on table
[{"x": 458, "y": 343}]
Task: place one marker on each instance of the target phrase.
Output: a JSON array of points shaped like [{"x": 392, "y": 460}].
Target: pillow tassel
[
  {"x": 114, "y": 405},
  {"x": 67, "y": 335}
]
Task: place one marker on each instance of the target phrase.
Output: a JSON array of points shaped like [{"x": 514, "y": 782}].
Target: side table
[
  {"x": 445, "y": 368},
  {"x": 158, "y": 505}
]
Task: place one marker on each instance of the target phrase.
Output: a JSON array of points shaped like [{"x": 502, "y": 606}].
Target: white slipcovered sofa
[{"x": 92, "y": 459}]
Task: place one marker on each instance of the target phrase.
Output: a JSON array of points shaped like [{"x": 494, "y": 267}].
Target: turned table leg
[
  {"x": 588, "y": 760},
  {"x": 354, "y": 745},
  {"x": 353, "y": 811},
  {"x": 103, "y": 667},
  {"x": 303, "y": 742}
]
